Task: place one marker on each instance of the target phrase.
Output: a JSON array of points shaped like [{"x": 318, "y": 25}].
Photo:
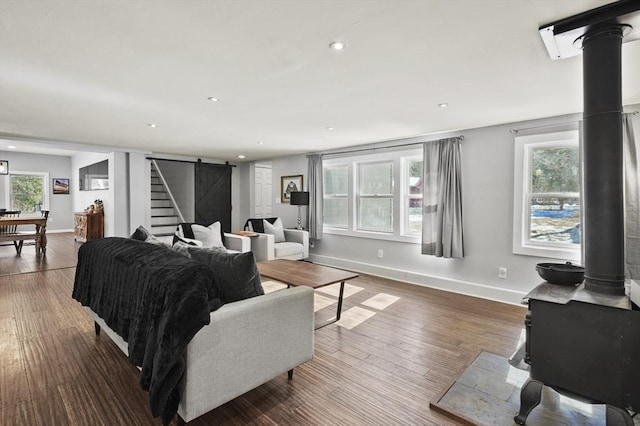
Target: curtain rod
[
  {"x": 461, "y": 137},
  {"x": 561, "y": 124},
  {"x": 190, "y": 161}
]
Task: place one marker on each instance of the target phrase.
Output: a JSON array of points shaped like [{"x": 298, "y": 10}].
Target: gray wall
[
  {"x": 60, "y": 205},
  {"x": 487, "y": 177}
]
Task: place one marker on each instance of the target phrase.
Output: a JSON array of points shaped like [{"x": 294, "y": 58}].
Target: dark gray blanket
[{"x": 155, "y": 299}]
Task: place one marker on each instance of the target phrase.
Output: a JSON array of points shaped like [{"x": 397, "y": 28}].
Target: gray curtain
[
  {"x": 442, "y": 199},
  {"x": 315, "y": 196},
  {"x": 632, "y": 199}
]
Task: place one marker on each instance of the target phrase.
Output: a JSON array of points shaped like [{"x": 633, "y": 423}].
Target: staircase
[{"x": 164, "y": 217}]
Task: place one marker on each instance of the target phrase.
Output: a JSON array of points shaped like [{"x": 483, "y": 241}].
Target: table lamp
[{"x": 299, "y": 198}]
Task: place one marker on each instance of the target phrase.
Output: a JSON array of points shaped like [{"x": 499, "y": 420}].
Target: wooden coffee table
[{"x": 296, "y": 273}]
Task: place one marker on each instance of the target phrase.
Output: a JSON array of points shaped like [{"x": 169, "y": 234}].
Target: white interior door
[{"x": 264, "y": 196}]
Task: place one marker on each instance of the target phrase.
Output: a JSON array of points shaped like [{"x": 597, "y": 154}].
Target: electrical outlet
[
  {"x": 311, "y": 244},
  {"x": 502, "y": 273},
  {"x": 380, "y": 253}
]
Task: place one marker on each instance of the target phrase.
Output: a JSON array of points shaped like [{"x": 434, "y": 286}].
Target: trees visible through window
[
  {"x": 413, "y": 198},
  {"x": 554, "y": 195},
  {"x": 27, "y": 192},
  {"x": 547, "y": 195}
]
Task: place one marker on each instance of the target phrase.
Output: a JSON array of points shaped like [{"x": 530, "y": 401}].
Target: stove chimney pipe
[{"x": 602, "y": 156}]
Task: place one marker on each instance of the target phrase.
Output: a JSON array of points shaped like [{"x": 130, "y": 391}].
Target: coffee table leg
[
  {"x": 338, "y": 312},
  {"x": 340, "y": 301}
]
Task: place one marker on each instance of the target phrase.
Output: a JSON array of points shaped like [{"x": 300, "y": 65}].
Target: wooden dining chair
[
  {"x": 9, "y": 229},
  {"x": 19, "y": 244}
]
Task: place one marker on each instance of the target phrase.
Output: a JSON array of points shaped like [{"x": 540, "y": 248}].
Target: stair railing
[{"x": 166, "y": 187}]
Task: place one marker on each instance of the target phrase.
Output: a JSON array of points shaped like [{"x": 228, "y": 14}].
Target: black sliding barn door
[{"x": 213, "y": 195}]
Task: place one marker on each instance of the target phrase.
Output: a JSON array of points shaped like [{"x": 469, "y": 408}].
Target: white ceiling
[{"x": 98, "y": 72}]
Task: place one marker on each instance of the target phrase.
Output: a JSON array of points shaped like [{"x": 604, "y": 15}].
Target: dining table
[{"x": 39, "y": 234}]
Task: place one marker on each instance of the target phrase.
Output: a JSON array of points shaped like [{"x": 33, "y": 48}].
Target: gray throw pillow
[
  {"x": 236, "y": 274},
  {"x": 143, "y": 234}
]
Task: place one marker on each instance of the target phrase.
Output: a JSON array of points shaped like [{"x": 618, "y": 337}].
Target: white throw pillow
[
  {"x": 209, "y": 235},
  {"x": 276, "y": 229}
]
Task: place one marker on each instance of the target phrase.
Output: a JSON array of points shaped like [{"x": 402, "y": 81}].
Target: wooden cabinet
[{"x": 88, "y": 226}]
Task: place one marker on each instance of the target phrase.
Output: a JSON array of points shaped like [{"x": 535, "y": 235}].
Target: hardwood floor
[
  {"x": 383, "y": 371},
  {"x": 61, "y": 253}
]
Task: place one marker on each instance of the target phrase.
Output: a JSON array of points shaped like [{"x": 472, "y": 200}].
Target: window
[
  {"x": 336, "y": 196},
  {"x": 413, "y": 197},
  {"x": 547, "y": 195},
  {"x": 374, "y": 196},
  {"x": 28, "y": 192}
]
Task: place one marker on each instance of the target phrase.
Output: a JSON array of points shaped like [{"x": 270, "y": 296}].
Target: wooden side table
[{"x": 88, "y": 226}]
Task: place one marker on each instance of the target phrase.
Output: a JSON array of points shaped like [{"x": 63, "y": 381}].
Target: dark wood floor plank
[{"x": 386, "y": 370}]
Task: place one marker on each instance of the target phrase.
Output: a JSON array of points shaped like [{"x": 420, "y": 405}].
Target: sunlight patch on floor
[
  {"x": 334, "y": 290},
  {"x": 322, "y": 302},
  {"x": 380, "y": 301},
  {"x": 353, "y": 317}
]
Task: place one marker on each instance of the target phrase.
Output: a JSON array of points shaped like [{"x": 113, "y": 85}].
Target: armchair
[{"x": 272, "y": 244}]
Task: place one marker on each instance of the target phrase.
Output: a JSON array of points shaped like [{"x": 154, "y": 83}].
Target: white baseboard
[
  {"x": 447, "y": 284},
  {"x": 58, "y": 231}
]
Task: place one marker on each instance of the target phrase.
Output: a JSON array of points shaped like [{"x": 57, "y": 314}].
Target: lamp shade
[{"x": 299, "y": 198}]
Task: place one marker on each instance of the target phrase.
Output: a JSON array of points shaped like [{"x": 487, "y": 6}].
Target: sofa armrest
[
  {"x": 238, "y": 243},
  {"x": 263, "y": 247},
  {"x": 298, "y": 236},
  {"x": 248, "y": 343}
]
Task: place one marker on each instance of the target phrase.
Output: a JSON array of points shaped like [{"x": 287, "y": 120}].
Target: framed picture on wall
[
  {"x": 288, "y": 184},
  {"x": 60, "y": 185}
]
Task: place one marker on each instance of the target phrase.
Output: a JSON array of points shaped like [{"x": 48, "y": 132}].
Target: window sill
[
  {"x": 373, "y": 235},
  {"x": 550, "y": 252}
]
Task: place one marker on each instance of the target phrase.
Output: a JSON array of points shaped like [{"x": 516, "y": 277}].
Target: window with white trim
[
  {"x": 27, "y": 192},
  {"x": 336, "y": 196},
  {"x": 374, "y": 195},
  {"x": 547, "y": 196}
]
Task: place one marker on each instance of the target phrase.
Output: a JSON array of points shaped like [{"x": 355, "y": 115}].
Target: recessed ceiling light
[
  {"x": 330, "y": 128},
  {"x": 241, "y": 156},
  {"x": 259, "y": 142},
  {"x": 154, "y": 125},
  {"x": 212, "y": 99},
  {"x": 338, "y": 45},
  {"x": 443, "y": 105},
  {"x": 11, "y": 147}
]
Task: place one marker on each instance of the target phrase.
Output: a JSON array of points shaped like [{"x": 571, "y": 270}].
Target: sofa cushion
[
  {"x": 277, "y": 230},
  {"x": 255, "y": 224},
  {"x": 143, "y": 234},
  {"x": 210, "y": 236},
  {"x": 236, "y": 274},
  {"x": 288, "y": 249},
  {"x": 188, "y": 241}
]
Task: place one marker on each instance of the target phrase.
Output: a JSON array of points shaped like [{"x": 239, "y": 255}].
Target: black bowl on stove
[{"x": 561, "y": 273}]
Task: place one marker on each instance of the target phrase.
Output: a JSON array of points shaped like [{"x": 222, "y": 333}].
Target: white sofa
[{"x": 247, "y": 343}]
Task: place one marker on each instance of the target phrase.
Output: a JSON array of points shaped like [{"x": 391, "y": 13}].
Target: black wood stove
[{"x": 585, "y": 341}]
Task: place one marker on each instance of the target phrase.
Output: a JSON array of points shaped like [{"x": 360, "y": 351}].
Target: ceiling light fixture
[
  {"x": 154, "y": 125},
  {"x": 241, "y": 156},
  {"x": 330, "y": 128},
  {"x": 259, "y": 142},
  {"x": 338, "y": 45},
  {"x": 443, "y": 105},
  {"x": 11, "y": 147},
  {"x": 212, "y": 99}
]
